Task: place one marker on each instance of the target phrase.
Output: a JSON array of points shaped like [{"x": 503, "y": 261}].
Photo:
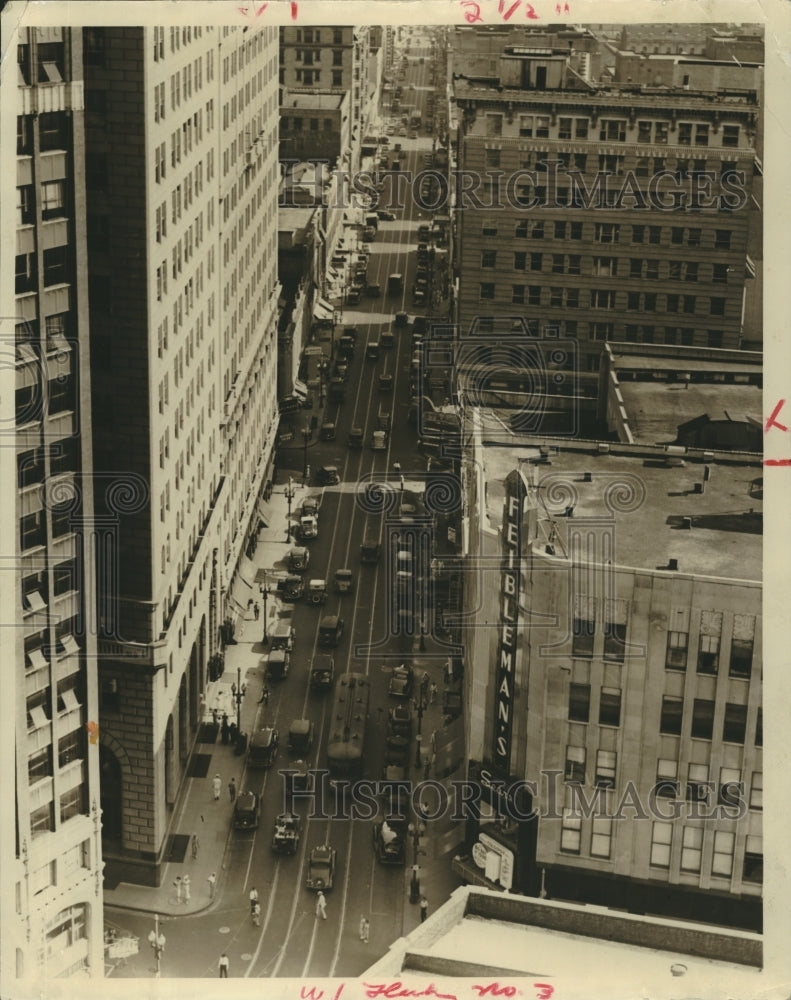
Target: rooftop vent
[
  {"x": 686, "y": 522},
  {"x": 587, "y": 477},
  {"x": 672, "y": 564}
]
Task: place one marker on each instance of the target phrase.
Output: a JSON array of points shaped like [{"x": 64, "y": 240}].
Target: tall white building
[{"x": 182, "y": 181}]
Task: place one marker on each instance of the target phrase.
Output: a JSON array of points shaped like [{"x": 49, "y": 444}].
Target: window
[
  {"x": 536, "y": 261},
  {"x": 753, "y": 866},
  {"x": 685, "y": 134},
  {"x": 53, "y": 131},
  {"x": 42, "y": 819},
  {"x": 730, "y": 135},
  {"x": 606, "y": 762},
  {"x": 607, "y": 232},
  {"x": 489, "y": 228},
  {"x": 537, "y": 232},
  {"x": 601, "y": 837},
  {"x": 702, "y": 719},
  {"x": 534, "y": 295},
  {"x": 39, "y": 765},
  {"x": 661, "y": 839},
  {"x": 560, "y": 230},
  {"x": 518, "y": 294},
  {"x": 720, "y": 273},
  {"x": 638, "y": 234},
  {"x": 494, "y": 124},
  {"x": 582, "y": 636},
  {"x": 570, "y": 833},
  {"x": 488, "y": 258},
  {"x": 697, "y": 783},
  {"x": 574, "y": 261},
  {"x": 71, "y": 803},
  {"x": 52, "y": 199},
  {"x": 604, "y": 266},
  {"x": 525, "y": 126},
  {"x": 730, "y": 789},
  {"x": 487, "y": 290},
  {"x": 672, "y": 710},
  {"x": 24, "y": 135},
  {"x": 492, "y": 157},
  {"x": 25, "y": 273},
  {"x": 612, "y": 130},
  {"x": 71, "y": 747},
  {"x": 575, "y": 765},
  {"x": 25, "y": 208},
  {"x": 722, "y": 859},
  {"x": 709, "y": 648},
  {"x": 701, "y": 135},
  {"x": 576, "y": 230},
  {"x": 734, "y": 726},
  {"x": 602, "y": 331},
  {"x": 644, "y": 131},
  {"x": 614, "y": 633},
  {"x": 676, "y": 653},
  {"x": 610, "y": 707},
  {"x": 579, "y": 702},
  {"x": 691, "y": 848},
  {"x": 666, "y": 778},
  {"x": 633, "y": 301},
  {"x": 691, "y": 271},
  {"x": 556, "y": 296},
  {"x": 722, "y": 239},
  {"x": 757, "y": 791},
  {"x": 110, "y": 695}
]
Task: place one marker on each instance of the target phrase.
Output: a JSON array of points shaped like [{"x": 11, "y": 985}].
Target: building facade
[
  {"x": 602, "y": 212},
  {"x": 613, "y": 675},
  {"x": 182, "y": 178},
  {"x": 50, "y": 842}
]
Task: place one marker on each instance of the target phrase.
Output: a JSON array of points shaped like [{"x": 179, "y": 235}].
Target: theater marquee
[{"x": 513, "y": 512}]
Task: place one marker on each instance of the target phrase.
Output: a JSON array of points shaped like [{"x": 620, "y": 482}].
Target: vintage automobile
[
  {"x": 290, "y": 588},
  {"x": 386, "y": 340},
  {"x": 379, "y": 440},
  {"x": 355, "y": 438},
  {"x": 246, "y": 811},
  {"x": 395, "y": 789},
  {"x": 328, "y": 431},
  {"x": 283, "y": 634},
  {"x": 321, "y": 868},
  {"x": 398, "y": 736},
  {"x": 402, "y": 681},
  {"x": 309, "y": 525},
  {"x": 285, "y": 838},
  {"x": 317, "y": 591},
  {"x": 322, "y": 672},
  {"x": 328, "y": 475},
  {"x": 277, "y": 664},
  {"x": 336, "y": 394},
  {"x": 300, "y": 736},
  {"x": 262, "y": 748},
  {"x": 451, "y": 704},
  {"x": 389, "y": 837},
  {"x": 385, "y": 382},
  {"x": 344, "y": 581},
  {"x": 301, "y": 776},
  {"x": 330, "y": 631},
  {"x": 352, "y": 332},
  {"x": 401, "y": 319},
  {"x": 369, "y": 551},
  {"x": 353, "y": 296},
  {"x": 310, "y": 505},
  {"x": 372, "y": 350},
  {"x": 386, "y": 216},
  {"x": 298, "y": 559}
]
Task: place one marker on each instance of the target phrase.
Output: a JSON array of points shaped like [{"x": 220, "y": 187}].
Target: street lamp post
[
  {"x": 157, "y": 942},
  {"x": 416, "y": 830},
  {"x": 306, "y": 435},
  {"x": 420, "y": 707},
  {"x": 289, "y": 498},
  {"x": 238, "y": 691},
  {"x": 264, "y": 596}
]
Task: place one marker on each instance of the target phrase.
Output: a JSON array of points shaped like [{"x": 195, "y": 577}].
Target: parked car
[
  {"x": 298, "y": 559},
  {"x": 310, "y": 505},
  {"x": 389, "y": 837},
  {"x": 330, "y": 631},
  {"x": 369, "y": 234},
  {"x": 321, "y": 868},
  {"x": 317, "y": 591},
  {"x": 328, "y": 475},
  {"x": 355, "y": 438},
  {"x": 277, "y": 664},
  {"x": 308, "y": 527},
  {"x": 336, "y": 394},
  {"x": 322, "y": 672},
  {"x": 385, "y": 382},
  {"x": 353, "y": 296},
  {"x": 300, "y": 736},
  {"x": 344, "y": 581},
  {"x": 352, "y": 332},
  {"x": 285, "y": 838},
  {"x": 373, "y": 290},
  {"x": 246, "y": 811},
  {"x": 402, "y": 681},
  {"x": 386, "y": 216},
  {"x": 283, "y": 635},
  {"x": 262, "y": 748},
  {"x": 369, "y": 551},
  {"x": 327, "y": 432},
  {"x": 290, "y": 588}
]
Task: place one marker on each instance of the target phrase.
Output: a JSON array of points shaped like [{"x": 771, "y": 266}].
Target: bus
[
  {"x": 346, "y": 740},
  {"x": 415, "y": 117}
]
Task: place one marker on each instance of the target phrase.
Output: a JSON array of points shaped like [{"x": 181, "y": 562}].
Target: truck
[
  {"x": 415, "y": 117},
  {"x": 372, "y": 220},
  {"x": 395, "y": 284}
]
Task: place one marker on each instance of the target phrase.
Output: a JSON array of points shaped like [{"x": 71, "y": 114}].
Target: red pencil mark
[
  {"x": 771, "y": 422},
  {"x": 566, "y": 8},
  {"x": 496, "y": 990},
  {"x": 243, "y": 10},
  {"x": 314, "y": 993},
  {"x": 531, "y": 14},
  {"x": 93, "y": 732},
  {"x": 397, "y": 989},
  {"x": 471, "y": 16},
  {"x": 777, "y": 461},
  {"x": 293, "y": 11},
  {"x": 545, "y": 990},
  {"x": 507, "y": 13},
  {"x": 261, "y": 9}
]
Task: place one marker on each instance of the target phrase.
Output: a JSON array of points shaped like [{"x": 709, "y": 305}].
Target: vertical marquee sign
[{"x": 513, "y": 511}]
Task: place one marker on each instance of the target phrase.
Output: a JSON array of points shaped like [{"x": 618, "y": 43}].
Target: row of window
[
  {"x": 191, "y": 130},
  {"x": 72, "y": 803},
  {"x": 312, "y": 77},
  {"x": 311, "y": 57},
  {"x": 50, "y": 64},
  {"x": 244, "y": 54},
  {"x": 71, "y": 747},
  {"x": 52, "y": 201},
  {"x": 691, "y": 856},
  {"x": 297, "y": 124},
  {"x": 57, "y": 269},
  {"x": 66, "y": 577},
  {"x": 617, "y": 130},
  {"x": 717, "y": 239},
  {"x": 734, "y": 723},
  {"x": 53, "y": 132},
  {"x": 560, "y": 162}
]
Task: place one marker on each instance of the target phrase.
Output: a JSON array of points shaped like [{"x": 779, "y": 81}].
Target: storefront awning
[
  {"x": 323, "y": 310},
  {"x": 300, "y": 389}
]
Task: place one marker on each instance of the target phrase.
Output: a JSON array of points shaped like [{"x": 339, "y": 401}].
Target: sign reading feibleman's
[{"x": 515, "y": 494}]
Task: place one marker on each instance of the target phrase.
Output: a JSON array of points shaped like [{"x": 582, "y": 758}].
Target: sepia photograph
[{"x": 386, "y": 604}]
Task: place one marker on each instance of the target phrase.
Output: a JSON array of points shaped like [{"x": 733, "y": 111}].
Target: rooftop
[
  {"x": 308, "y": 101},
  {"x": 578, "y": 950},
  {"x": 650, "y": 498}
]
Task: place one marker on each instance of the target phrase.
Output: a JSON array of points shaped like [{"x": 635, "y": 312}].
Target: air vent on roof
[
  {"x": 686, "y": 522},
  {"x": 672, "y": 564},
  {"x": 587, "y": 477},
  {"x": 604, "y": 448}
]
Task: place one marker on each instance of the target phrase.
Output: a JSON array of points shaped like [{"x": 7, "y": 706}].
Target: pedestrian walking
[
  {"x": 232, "y": 789},
  {"x": 212, "y": 880},
  {"x": 433, "y": 690},
  {"x": 224, "y": 730},
  {"x": 178, "y": 886},
  {"x": 224, "y": 965},
  {"x": 321, "y": 906},
  {"x": 264, "y": 699},
  {"x": 216, "y": 786},
  {"x": 364, "y": 928},
  {"x": 256, "y": 612},
  {"x": 250, "y": 604},
  {"x": 256, "y": 915},
  {"x": 186, "y": 885},
  {"x": 401, "y": 478},
  {"x": 253, "y": 898},
  {"x": 195, "y": 846},
  {"x": 233, "y": 732},
  {"x": 434, "y": 741},
  {"x": 424, "y": 680},
  {"x": 215, "y": 717},
  {"x": 396, "y": 466},
  {"x": 423, "y": 908}
]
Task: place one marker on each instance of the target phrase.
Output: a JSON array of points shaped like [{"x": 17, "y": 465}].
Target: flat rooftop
[
  {"x": 725, "y": 537},
  {"x": 319, "y": 102},
  {"x": 580, "y": 951}
]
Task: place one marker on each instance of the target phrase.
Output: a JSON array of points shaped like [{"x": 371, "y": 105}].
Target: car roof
[
  {"x": 300, "y": 726},
  {"x": 322, "y": 851},
  {"x": 246, "y": 796},
  {"x": 329, "y": 621}
]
